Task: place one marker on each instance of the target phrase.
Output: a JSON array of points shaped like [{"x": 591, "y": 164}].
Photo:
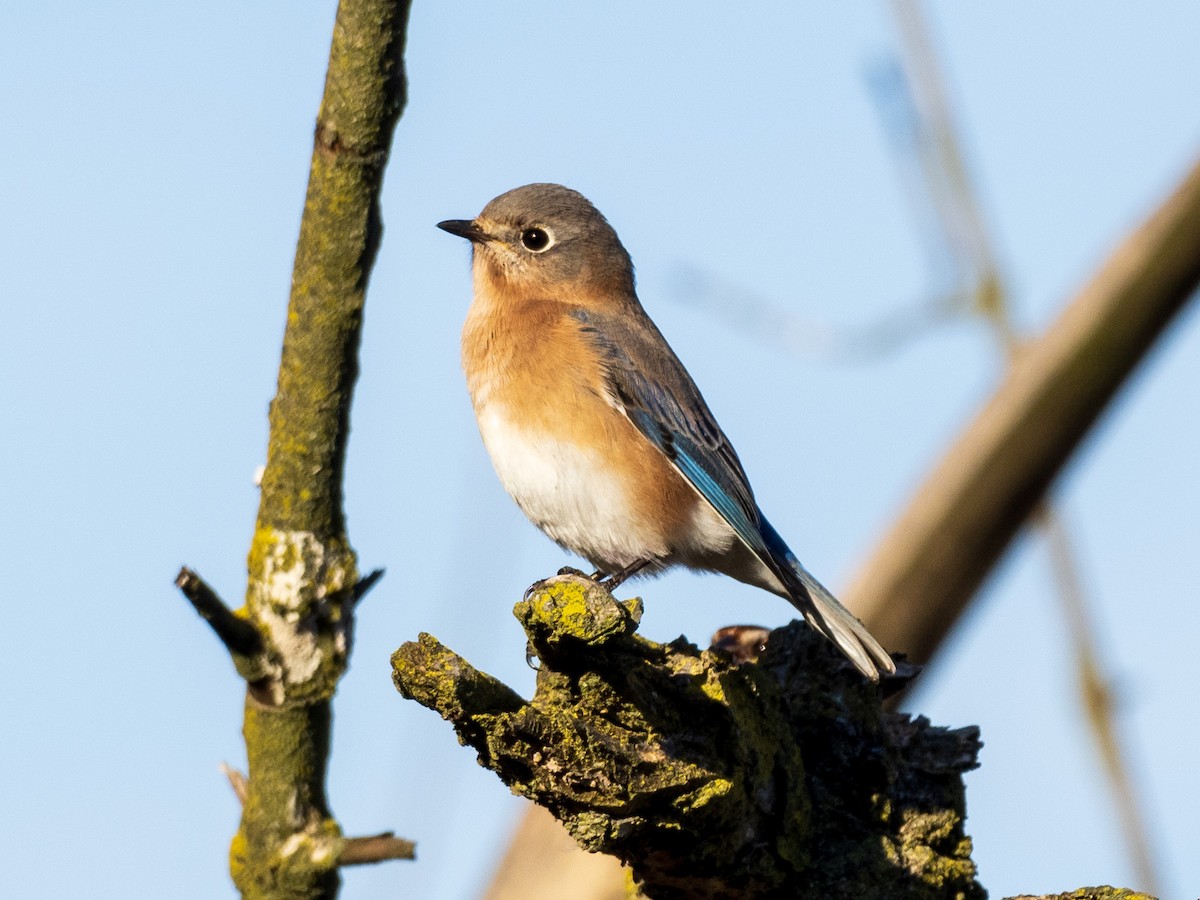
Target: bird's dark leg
[{"x": 611, "y": 582}]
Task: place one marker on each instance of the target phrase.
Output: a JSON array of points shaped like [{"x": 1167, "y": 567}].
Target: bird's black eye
[{"x": 536, "y": 240}]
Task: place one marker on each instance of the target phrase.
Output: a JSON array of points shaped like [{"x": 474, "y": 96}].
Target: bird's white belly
[{"x": 569, "y": 492}]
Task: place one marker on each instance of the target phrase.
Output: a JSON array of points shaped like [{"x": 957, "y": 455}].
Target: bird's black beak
[{"x": 466, "y": 228}]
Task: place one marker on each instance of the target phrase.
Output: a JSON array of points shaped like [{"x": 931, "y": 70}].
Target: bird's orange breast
[{"x": 558, "y": 442}]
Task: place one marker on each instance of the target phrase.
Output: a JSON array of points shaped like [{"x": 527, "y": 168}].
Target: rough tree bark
[
  {"x": 717, "y": 774},
  {"x": 709, "y": 776},
  {"x": 291, "y": 641}
]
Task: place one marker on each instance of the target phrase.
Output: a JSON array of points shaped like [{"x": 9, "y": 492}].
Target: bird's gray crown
[{"x": 553, "y": 203}]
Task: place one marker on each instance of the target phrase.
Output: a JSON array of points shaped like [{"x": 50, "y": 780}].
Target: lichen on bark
[
  {"x": 1090, "y": 893},
  {"x": 292, "y": 639},
  {"x": 710, "y": 778}
]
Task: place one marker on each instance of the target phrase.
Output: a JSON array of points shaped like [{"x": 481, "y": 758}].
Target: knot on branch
[
  {"x": 301, "y": 595},
  {"x": 709, "y": 777},
  {"x": 292, "y": 639},
  {"x": 335, "y": 146},
  {"x": 564, "y": 612}
]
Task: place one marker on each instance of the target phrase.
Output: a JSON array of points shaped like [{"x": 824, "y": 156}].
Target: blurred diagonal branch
[
  {"x": 291, "y": 641},
  {"x": 1098, "y": 701},
  {"x": 542, "y": 858},
  {"x": 803, "y": 337},
  {"x": 962, "y": 229},
  {"x": 963, "y": 232},
  {"x": 939, "y": 550}
]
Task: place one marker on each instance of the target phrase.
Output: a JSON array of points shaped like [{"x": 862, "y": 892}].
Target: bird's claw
[
  {"x": 565, "y": 570},
  {"x": 531, "y": 657}
]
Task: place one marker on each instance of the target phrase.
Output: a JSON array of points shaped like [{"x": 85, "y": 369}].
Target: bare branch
[
  {"x": 237, "y": 781},
  {"x": 377, "y": 848},
  {"x": 939, "y": 549},
  {"x": 364, "y": 585},
  {"x": 303, "y": 574},
  {"x": 239, "y": 636}
]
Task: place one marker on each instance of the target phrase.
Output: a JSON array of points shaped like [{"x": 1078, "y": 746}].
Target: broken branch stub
[{"x": 710, "y": 778}]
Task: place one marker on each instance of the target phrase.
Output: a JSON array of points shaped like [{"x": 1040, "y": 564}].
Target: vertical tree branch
[
  {"x": 365, "y": 91},
  {"x": 303, "y": 576}
]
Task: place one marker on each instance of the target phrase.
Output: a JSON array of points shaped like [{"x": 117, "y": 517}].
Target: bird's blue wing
[
  {"x": 659, "y": 397},
  {"x": 650, "y": 385}
]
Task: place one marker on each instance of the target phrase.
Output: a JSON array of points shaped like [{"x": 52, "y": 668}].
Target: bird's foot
[
  {"x": 609, "y": 581},
  {"x": 565, "y": 570}
]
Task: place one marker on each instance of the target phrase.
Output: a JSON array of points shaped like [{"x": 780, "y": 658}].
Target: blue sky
[{"x": 154, "y": 170}]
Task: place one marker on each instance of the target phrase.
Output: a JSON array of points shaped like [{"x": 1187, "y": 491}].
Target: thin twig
[
  {"x": 237, "y": 781},
  {"x": 364, "y": 585},
  {"x": 376, "y": 848},
  {"x": 240, "y": 637},
  {"x": 1097, "y": 696}
]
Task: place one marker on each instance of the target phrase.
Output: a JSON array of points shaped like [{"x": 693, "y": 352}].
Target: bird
[{"x": 594, "y": 426}]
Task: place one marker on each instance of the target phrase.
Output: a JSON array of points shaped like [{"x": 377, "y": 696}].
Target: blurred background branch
[{"x": 960, "y": 229}]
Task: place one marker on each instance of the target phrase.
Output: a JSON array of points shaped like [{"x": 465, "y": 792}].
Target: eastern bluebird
[{"x": 595, "y": 427}]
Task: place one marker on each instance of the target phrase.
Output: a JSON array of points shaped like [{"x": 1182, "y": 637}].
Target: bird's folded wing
[{"x": 649, "y": 384}]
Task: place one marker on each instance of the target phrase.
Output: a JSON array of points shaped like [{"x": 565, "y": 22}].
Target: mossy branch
[
  {"x": 1090, "y": 893},
  {"x": 291, "y": 641},
  {"x": 712, "y": 778}
]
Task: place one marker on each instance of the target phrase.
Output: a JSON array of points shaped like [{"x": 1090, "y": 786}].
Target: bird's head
[{"x": 548, "y": 240}]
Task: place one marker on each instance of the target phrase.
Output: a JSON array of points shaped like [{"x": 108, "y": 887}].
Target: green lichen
[
  {"x": 1091, "y": 893},
  {"x": 560, "y": 614},
  {"x": 300, "y": 599},
  {"x": 708, "y": 778},
  {"x": 287, "y": 844}
]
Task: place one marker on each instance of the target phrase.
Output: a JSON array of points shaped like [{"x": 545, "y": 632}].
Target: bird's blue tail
[{"x": 823, "y": 611}]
